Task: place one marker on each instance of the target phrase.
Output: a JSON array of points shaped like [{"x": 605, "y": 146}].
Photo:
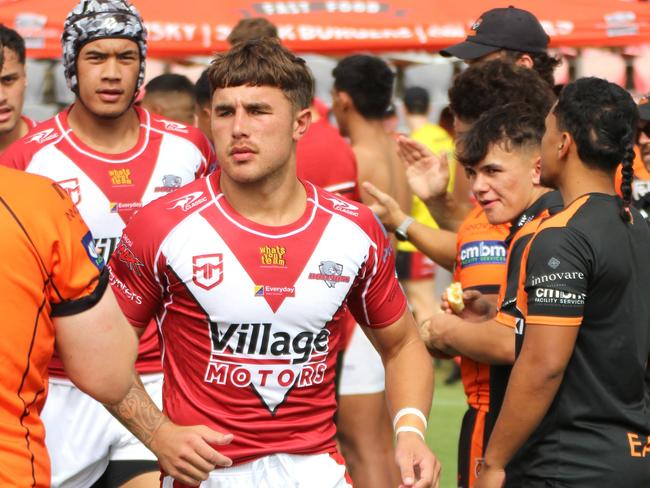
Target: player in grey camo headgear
[{"x": 99, "y": 19}]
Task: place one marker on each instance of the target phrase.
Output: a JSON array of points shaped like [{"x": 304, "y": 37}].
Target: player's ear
[
  {"x": 537, "y": 170},
  {"x": 301, "y": 123},
  {"x": 566, "y": 144}
]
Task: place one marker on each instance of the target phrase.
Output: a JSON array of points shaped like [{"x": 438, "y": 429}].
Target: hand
[
  {"x": 385, "y": 206},
  {"x": 477, "y": 308},
  {"x": 432, "y": 332},
  {"x": 185, "y": 454},
  {"x": 427, "y": 174},
  {"x": 418, "y": 466},
  {"x": 489, "y": 477}
]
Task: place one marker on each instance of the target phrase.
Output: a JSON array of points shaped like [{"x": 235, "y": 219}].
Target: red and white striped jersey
[
  {"x": 109, "y": 188},
  {"x": 248, "y": 313}
]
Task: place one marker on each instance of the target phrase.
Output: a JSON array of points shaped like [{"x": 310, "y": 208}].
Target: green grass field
[{"x": 449, "y": 406}]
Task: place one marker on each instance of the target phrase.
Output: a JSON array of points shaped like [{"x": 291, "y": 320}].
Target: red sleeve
[
  {"x": 14, "y": 156},
  {"x": 133, "y": 278},
  {"x": 376, "y": 298}
]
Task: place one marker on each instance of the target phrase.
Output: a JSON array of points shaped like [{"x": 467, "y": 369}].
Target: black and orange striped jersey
[
  {"x": 48, "y": 268},
  {"x": 585, "y": 267},
  {"x": 480, "y": 263},
  {"x": 521, "y": 231}
]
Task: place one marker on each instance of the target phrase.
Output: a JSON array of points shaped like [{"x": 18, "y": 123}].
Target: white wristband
[
  {"x": 408, "y": 428},
  {"x": 409, "y": 411}
]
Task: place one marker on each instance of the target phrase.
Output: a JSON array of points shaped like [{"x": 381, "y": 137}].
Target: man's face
[
  {"x": 12, "y": 91},
  {"x": 255, "y": 130},
  {"x": 643, "y": 141},
  {"x": 107, "y": 71},
  {"x": 504, "y": 182},
  {"x": 551, "y": 145}
]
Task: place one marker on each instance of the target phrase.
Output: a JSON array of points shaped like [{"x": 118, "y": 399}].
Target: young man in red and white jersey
[
  {"x": 112, "y": 158},
  {"x": 13, "y": 80},
  {"x": 246, "y": 272}
]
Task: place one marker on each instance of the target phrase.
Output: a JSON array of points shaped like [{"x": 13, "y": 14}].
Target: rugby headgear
[{"x": 100, "y": 19}]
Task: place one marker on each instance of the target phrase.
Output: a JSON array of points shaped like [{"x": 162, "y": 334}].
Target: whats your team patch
[
  {"x": 89, "y": 245},
  {"x": 482, "y": 252}
]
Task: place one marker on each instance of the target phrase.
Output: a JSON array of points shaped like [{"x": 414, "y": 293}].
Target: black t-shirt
[
  {"x": 521, "y": 230},
  {"x": 585, "y": 267}
]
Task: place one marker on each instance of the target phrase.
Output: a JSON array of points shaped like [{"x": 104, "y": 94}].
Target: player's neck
[
  {"x": 416, "y": 122},
  {"x": 364, "y": 131},
  {"x": 107, "y": 135},
  {"x": 9, "y": 137},
  {"x": 577, "y": 180},
  {"x": 280, "y": 199}
]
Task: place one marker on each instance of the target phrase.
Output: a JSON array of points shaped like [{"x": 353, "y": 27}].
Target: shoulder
[
  {"x": 354, "y": 212},
  {"x": 39, "y": 137},
  {"x": 19, "y": 182},
  {"x": 175, "y": 129},
  {"x": 36, "y": 196},
  {"x": 159, "y": 217}
]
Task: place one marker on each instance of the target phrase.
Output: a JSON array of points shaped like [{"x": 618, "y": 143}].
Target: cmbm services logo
[{"x": 482, "y": 252}]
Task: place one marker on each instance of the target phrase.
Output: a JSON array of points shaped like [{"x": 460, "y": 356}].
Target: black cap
[
  {"x": 644, "y": 108},
  {"x": 501, "y": 28}
]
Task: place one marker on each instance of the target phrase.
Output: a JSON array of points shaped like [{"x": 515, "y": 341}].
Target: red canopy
[{"x": 330, "y": 26}]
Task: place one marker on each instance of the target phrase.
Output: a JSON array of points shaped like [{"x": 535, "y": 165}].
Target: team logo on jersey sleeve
[
  {"x": 43, "y": 136},
  {"x": 169, "y": 183},
  {"x": 343, "y": 206},
  {"x": 121, "y": 177},
  {"x": 189, "y": 201},
  {"x": 273, "y": 256},
  {"x": 130, "y": 260},
  {"x": 174, "y": 126},
  {"x": 89, "y": 245},
  {"x": 207, "y": 270},
  {"x": 71, "y": 187},
  {"x": 331, "y": 273}
]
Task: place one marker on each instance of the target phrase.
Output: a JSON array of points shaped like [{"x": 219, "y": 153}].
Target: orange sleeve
[{"x": 78, "y": 276}]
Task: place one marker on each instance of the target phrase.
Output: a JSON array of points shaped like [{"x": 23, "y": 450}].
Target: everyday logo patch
[{"x": 278, "y": 291}]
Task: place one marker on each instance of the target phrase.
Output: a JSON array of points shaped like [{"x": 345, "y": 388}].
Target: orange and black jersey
[
  {"x": 585, "y": 267},
  {"x": 480, "y": 264},
  {"x": 521, "y": 231},
  {"x": 48, "y": 268}
]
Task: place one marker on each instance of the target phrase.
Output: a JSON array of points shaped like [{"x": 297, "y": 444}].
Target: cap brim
[
  {"x": 468, "y": 50},
  {"x": 644, "y": 112}
]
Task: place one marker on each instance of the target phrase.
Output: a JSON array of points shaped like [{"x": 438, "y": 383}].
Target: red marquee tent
[{"x": 331, "y": 26}]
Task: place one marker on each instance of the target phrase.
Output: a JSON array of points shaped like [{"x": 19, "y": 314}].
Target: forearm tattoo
[{"x": 138, "y": 413}]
